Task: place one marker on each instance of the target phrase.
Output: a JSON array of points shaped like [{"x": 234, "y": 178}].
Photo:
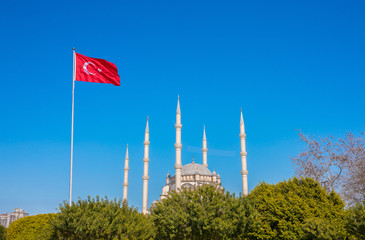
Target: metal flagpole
[{"x": 72, "y": 124}]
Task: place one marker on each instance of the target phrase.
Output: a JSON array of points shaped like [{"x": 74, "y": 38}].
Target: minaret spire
[
  {"x": 205, "y": 149},
  {"x": 147, "y": 128},
  {"x": 145, "y": 169},
  {"x": 241, "y": 120},
  {"x": 178, "y": 146},
  {"x": 178, "y": 105},
  {"x": 243, "y": 154},
  {"x": 126, "y": 169}
]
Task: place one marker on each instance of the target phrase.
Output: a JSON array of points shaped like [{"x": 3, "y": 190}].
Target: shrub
[
  {"x": 356, "y": 221},
  {"x": 202, "y": 213},
  {"x": 101, "y": 219},
  {"x": 298, "y": 209},
  {"x": 31, "y": 228},
  {"x": 2, "y": 232}
]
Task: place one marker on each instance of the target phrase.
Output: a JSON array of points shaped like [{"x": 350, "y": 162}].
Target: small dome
[{"x": 194, "y": 168}]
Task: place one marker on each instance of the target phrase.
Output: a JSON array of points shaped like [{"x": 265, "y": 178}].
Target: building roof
[{"x": 195, "y": 168}]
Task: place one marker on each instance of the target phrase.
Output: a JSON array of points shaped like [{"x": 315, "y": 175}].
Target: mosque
[{"x": 190, "y": 175}]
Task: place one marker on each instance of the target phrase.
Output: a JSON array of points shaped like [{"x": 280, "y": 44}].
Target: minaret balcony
[
  {"x": 242, "y": 135},
  {"x": 145, "y": 177}
]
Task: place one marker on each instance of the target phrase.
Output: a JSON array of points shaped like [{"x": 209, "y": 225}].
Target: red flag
[{"x": 96, "y": 70}]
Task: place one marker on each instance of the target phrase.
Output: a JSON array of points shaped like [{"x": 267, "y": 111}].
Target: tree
[
  {"x": 101, "y": 219},
  {"x": 31, "y": 228},
  {"x": 205, "y": 212},
  {"x": 298, "y": 209},
  {"x": 2, "y": 232},
  {"x": 353, "y": 179},
  {"x": 338, "y": 164},
  {"x": 356, "y": 221}
]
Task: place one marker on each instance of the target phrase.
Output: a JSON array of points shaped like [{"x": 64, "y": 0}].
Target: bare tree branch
[{"x": 338, "y": 164}]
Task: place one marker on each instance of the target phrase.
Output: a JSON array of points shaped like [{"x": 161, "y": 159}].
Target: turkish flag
[{"x": 95, "y": 70}]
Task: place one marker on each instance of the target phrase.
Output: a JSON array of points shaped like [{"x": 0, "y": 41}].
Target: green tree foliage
[
  {"x": 101, "y": 219},
  {"x": 298, "y": 209},
  {"x": 31, "y": 228},
  {"x": 2, "y": 232},
  {"x": 202, "y": 213},
  {"x": 356, "y": 221}
]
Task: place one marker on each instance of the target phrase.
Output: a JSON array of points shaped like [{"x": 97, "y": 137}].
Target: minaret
[
  {"x": 126, "y": 169},
  {"x": 145, "y": 169},
  {"x": 244, "y": 171},
  {"x": 178, "y": 146},
  {"x": 205, "y": 150}
]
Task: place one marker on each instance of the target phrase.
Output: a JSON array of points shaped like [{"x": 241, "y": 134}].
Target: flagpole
[{"x": 72, "y": 124}]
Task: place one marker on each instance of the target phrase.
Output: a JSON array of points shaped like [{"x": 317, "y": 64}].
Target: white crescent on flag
[{"x": 87, "y": 71}]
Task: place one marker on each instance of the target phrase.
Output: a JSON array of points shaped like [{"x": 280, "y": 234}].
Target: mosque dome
[{"x": 195, "y": 168}]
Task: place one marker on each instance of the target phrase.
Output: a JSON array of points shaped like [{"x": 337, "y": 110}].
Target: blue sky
[{"x": 290, "y": 65}]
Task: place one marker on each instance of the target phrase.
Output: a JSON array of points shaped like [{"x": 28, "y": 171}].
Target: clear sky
[{"x": 289, "y": 64}]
